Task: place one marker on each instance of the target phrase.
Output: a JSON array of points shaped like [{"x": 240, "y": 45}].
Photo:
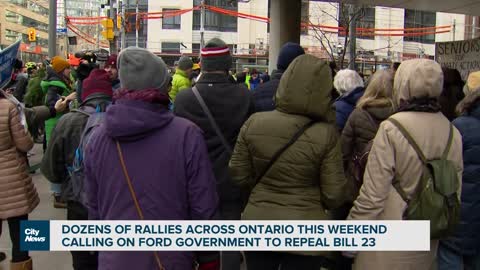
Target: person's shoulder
[
  {"x": 466, "y": 122},
  {"x": 6, "y": 102},
  {"x": 185, "y": 126}
]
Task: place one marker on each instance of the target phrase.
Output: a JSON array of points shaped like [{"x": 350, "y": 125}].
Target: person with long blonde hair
[{"x": 372, "y": 108}]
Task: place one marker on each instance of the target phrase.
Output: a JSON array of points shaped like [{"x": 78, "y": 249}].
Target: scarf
[
  {"x": 420, "y": 104},
  {"x": 149, "y": 95}
]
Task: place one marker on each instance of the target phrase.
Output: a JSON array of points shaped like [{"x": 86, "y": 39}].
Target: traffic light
[
  {"x": 108, "y": 26},
  {"x": 32, "y": 34},
  {"x": 119, "y": 22}
]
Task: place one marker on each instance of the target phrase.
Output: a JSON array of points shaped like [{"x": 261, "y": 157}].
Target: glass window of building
[
  {"x": 25, "y": 21},
  {"x": 215, "y": 21},
  {"x": 305, "y": 17},
  {"x": 366, "y": 20},
  {"x": 171, "y": 22},
  {"x": 170, "y": 47},
  {"x": 416, "y": 19},
  {"x": 196, "y": 48}
]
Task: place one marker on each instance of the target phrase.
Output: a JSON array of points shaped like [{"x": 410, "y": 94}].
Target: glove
[{"x": 215, "y": 265}]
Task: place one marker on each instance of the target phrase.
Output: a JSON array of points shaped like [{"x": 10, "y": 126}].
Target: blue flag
[{"x": 7, "y": 57}]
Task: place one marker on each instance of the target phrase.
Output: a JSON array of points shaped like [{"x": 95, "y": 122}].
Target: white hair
[{"x": 346, "y": 81}]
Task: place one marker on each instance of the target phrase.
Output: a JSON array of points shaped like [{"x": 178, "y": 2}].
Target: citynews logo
[{"x": 34, "y": 235}]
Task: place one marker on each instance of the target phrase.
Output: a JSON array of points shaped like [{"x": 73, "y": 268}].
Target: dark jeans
[
  {"x": 82, "y": 260},
  {"x": 448, "y": 259},
  {"x": 260, "y": 260},
  {"x": 231, "y": 210},
  {"x": 14, "y": 228}
]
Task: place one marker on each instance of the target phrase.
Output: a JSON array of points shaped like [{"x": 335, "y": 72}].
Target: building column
[{"x": 285, "y": 18}]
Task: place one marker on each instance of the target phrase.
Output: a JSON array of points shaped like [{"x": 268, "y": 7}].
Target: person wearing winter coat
[
  {"x": 19, "y": 80},
  {"x": 265, "y": 92},
  {"x": 18, "y": 195},
  {"x": 462, "y": 249},
  {"x": 452, "y": 92},
  {"x": 307, "y": 179},
  {"x": 97, "y": 95},
  {"x": 112, "y": 69},
  {"x": 181, "y": 78},
  {"x": 350, "y": 87},
  {"x": 374, "y": 106},
  {"x": 230, "y": 105},
  {"x": 417, "y": 86},
  {"x": 254, "y": 80},
  {"x": 164, "y": 155},
  {"x": 56, "y": 86}
]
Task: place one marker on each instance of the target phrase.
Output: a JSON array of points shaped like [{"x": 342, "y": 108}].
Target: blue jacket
[
  {"x": 345, "y": 105},
  {"x": 254, "y": 83},
  {"x": 466, "y": 239}
]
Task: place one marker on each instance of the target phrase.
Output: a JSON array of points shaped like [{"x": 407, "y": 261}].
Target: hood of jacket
[
  {"x": 380, "y": 112},
  {"x": 131, "y": 120},
  {"x": 305, "y": 89},
  {"x": 417, "y": 78},
  {"x": 353, "y": 96},
  {"x": 181, "y": 73},
  {"x": 470, "y": 104}
]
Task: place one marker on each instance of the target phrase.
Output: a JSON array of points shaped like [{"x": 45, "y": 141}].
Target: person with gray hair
[
  {"x": 181, "y": 78},
  {"x": 165, "y": 157},
  {"x": 350, "y": 86}
]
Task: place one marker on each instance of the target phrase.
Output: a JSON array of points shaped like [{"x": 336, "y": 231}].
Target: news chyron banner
[{"x": 60, "y": 235}]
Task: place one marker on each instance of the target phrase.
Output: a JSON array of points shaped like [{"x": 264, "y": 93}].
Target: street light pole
[
  {"x": 98, "y": 27},
  {"x": 202, "y": 25},
  {"x": 123, "y": 32},
  {"x": 137, "y": 26},
  {"x": 52, "y": 29},
  {"x": 113, "y": 16},
  {"x": 65, "y": 19}
]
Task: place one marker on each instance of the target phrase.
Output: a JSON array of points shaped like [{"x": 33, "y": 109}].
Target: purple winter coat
[{"x": 168, "y": 163}]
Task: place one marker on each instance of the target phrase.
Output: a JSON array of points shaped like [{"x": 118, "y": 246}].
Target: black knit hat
[{"x": 216, "y": 56}]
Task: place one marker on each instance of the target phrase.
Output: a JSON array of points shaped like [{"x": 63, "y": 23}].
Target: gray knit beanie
[
  {"x": 139, "y": 69},
  {"x": 185, "y": 63},
  {"x": 216, "y": 56}
]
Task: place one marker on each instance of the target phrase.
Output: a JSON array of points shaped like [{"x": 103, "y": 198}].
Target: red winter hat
[
  {"x": 98, "y": 82},
  {"x": 112, "y": 61}
]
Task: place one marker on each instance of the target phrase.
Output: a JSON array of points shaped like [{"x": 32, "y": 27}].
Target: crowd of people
[{"x": 128, "y": 140}]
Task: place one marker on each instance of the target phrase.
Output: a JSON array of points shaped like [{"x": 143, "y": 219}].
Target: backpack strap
[
  {"x": 409, "y": 138},
  {"x": 411, "y": 141},
  {"x": 449, "y": 143},
  {"x": 285, "y": 147},
  {"x": 134, "y": 197},
  {"x": 213, "y": 123}
]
